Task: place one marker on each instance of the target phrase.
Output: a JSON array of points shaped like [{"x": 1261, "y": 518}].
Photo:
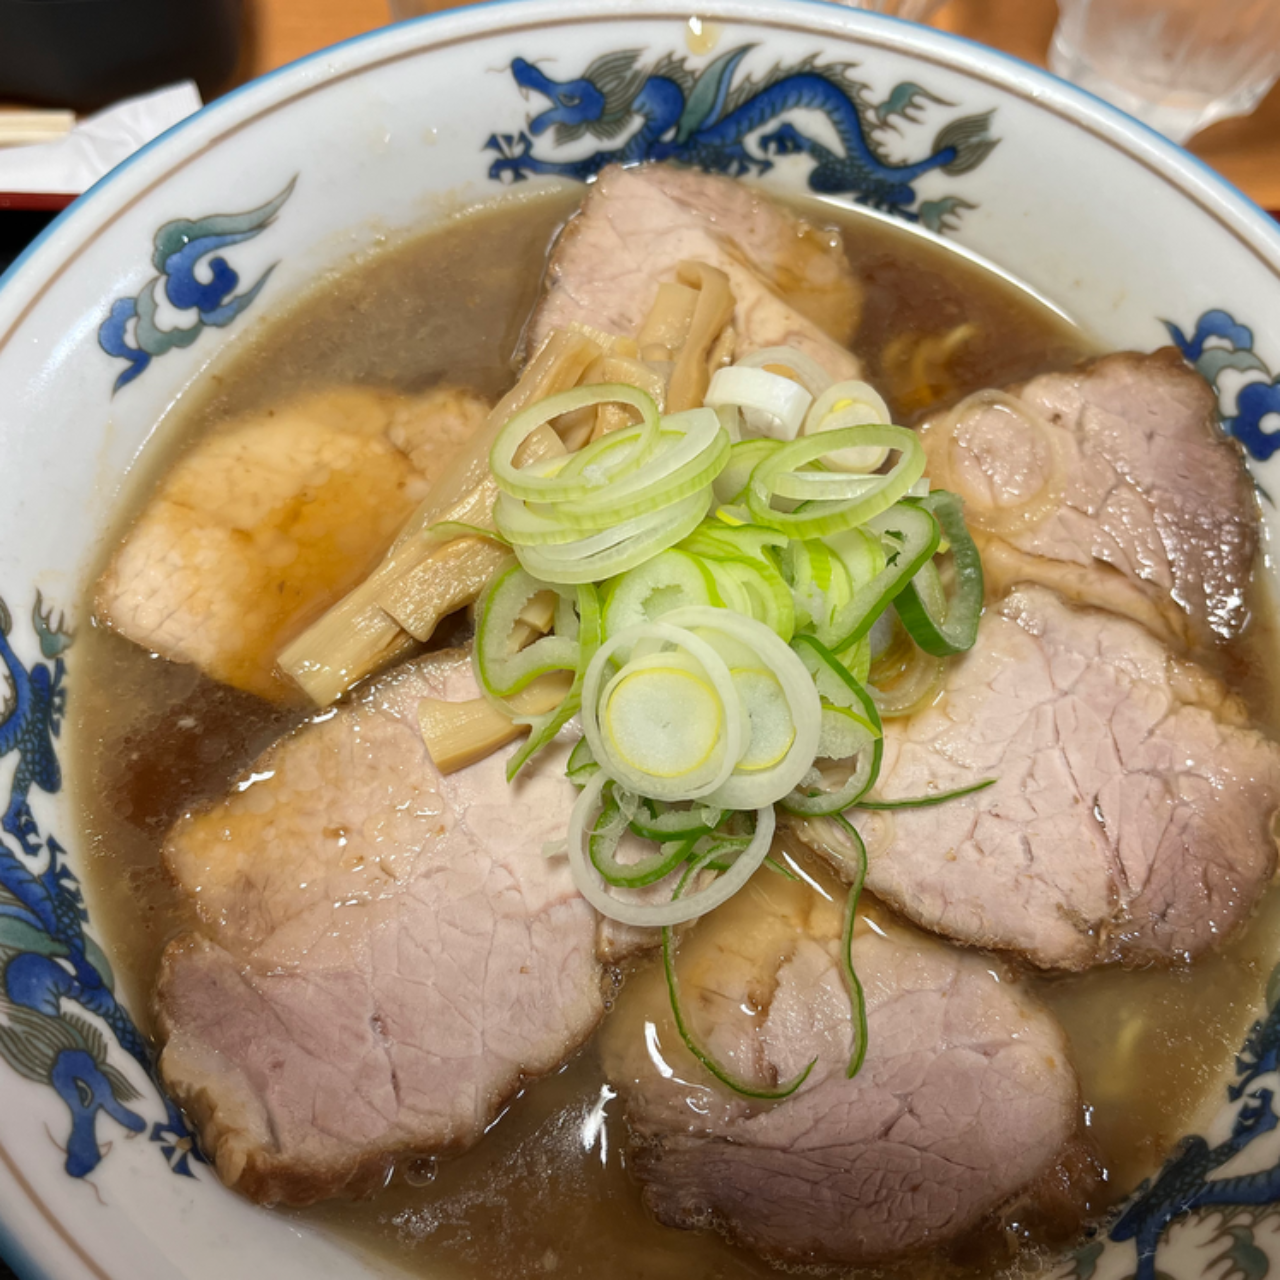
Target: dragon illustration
[
  {"x": 704, "y": 120},
  {"x": 1186, "y": 1182},
  {"x": 31, "y": 721},
  {"x": 47, "y": 960}
]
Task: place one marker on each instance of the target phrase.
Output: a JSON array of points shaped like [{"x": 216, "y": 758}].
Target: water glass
[{"x": 1177, "y": 65}]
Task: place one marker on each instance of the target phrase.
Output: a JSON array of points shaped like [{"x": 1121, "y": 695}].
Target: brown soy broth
[{"x": 548, "y": 1192}]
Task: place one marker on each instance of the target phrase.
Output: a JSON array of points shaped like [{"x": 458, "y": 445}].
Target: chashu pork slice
[
  {"x": 792, "y": 283},
  {"x": 966, "y": 1099},
  {"x": 383, "y": 954},
  {"x": 268, "y": 521},
  {"x": 1131, "y": 816},
  {"x": 1114, "y": 484}
]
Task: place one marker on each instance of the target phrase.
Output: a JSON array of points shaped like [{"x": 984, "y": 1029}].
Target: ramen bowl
[{"x": 110, "y": 317}]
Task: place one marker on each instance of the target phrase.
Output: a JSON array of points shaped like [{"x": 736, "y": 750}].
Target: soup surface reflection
[{"x": 548, "y": 1192}]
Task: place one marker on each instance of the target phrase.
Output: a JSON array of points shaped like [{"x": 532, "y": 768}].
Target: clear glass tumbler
[{"x": 1177, "y": 65}]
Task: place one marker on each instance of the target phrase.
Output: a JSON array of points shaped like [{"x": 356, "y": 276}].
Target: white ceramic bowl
[{"x": 1129, "y": 236}]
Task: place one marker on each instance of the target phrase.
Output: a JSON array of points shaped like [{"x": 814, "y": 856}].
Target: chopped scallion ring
[
  {"x": 808, "y": 372},
  {"x": 925, "y": 802},
  {"x": 543, "y": 728},
  {"x": 592, "y": 886},
  {"x": 849, "y": 404},
  {"x": 850, "y": 724},
  {"x": 540, "y": 481},
  {"x": 832, "y": 501},
  {"x": 752, "y": 789},
  {"x": 670, "y": 580},
  {"x": 661, "y": 717},
  {"x": 503, "y": 665},
  {"x": 940, "y": 626},
  {"x": 909, "y": 537},
  {"x": 642, "y": 765},
  {"x": 771, "y": 405}
]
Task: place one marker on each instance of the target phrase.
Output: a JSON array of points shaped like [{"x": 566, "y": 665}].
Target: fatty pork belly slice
[
  {"x": 1154, "y": 516},
  {"x": 266, "y": 522},
  {"x": 1131, "y": 819},
  {"x": 791, "y": 280},
  {"x": 384, "y": 955},
  {"x": 967, "y": 1096}
]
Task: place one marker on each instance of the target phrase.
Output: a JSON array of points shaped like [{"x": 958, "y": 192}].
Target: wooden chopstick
[{"x": 20, "y": 125}]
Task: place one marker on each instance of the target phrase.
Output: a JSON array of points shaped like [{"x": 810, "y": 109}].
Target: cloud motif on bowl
[
  {"x": 180, "y": 247},
  {"x": 47, "y": 960},
  {"x": 1222, "y": 351},
  {"x": 706, "y": 118}
]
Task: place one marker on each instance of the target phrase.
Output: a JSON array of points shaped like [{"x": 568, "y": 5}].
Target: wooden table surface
[{"x": 1246, "y": 151}]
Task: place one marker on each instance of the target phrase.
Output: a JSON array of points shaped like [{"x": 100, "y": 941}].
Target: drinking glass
[{"x": 1177, "y": 65}]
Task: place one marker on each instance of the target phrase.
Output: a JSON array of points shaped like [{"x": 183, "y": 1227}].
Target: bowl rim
[
  {"x": 35, "y": 1243},
  {"x": 1189, "y": 175}
]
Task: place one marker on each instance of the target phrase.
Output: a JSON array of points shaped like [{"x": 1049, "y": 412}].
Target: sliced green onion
[
  {"x": 615, "y": 551},
  {"x": 820, "y": 582},
  {"x": 539, "y": 481},
  {"x": 924, "y": 802},
  {"x": 707, "y": 670},
  {"x": 811, "y": 375},
  {"x": 772, "y": 727},
  {"x": 661, "y": 716},
  {"x": 616, "y": 503},
  {"x": 938, "y": 625},
  {"x": 692, "y": 450},
  {"x": 502, "y": 669},
  {"x": 581, "y": 765},
  {"x": 670, "y": 580},
  {"x": 849, "y": 404},
  {"x": 756, "y": 589},
  {"x": 721, "y": 1073},
  {"x": 861, "y": 551},
  {"x": 833, "y": 501},
  {"x": 744, "y": 457},
  {"x": 770, "y": 404},
  {"x": 657, "y": 821},
  {"x": 592, "y": 887},
  {"x": 844, "y": 733},
  {"x": 691, "y": 453},
  {"x": 543, "y": 728},
  {"x": 724, "y": 538},
  {"x": 913, "y": 535},
  {"x": 860, "y": 728},
  {"x": 602, "y": 845},
  {"x": 747, "y": 790},
  {"x": 856, "y": 659},
  {"x": 857, "y": 998}
]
